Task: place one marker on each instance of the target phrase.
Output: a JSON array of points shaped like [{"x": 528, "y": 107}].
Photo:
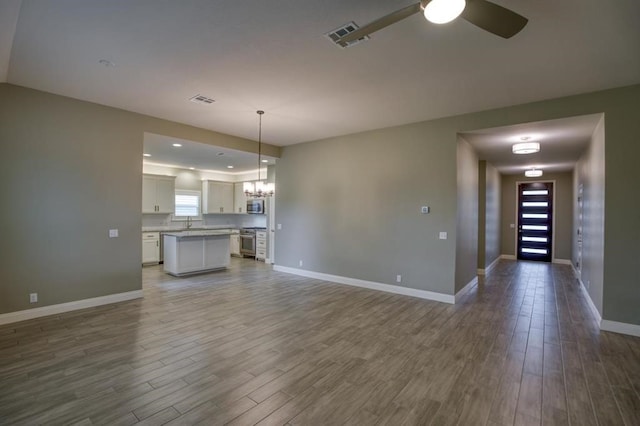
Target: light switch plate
[
  {"x": 279, "y": 226},
  {"x": 113, "y": 233},
  {"x": 512, "y": 225},
  {"x": 424, "y": 209},
  {"x": 443, "y": 235}
]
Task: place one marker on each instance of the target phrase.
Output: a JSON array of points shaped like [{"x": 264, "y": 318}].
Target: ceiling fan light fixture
[
  {"x": 443, "y": 11},
  {"x": 526, "y": 148},
  {"x": 533, "y": 172}
]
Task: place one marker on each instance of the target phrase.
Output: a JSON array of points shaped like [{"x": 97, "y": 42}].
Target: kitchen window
[{"x": 188, "y": 205}]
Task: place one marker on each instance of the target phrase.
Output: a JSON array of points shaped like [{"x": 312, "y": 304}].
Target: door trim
[{"x": 553, "y": 218}]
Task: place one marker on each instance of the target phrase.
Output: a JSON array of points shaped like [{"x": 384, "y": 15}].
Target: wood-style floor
[{"x": 250, "y": 345}]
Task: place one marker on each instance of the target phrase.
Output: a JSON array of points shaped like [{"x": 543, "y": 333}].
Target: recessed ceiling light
[
  {"x": 265, "y": 161},
  {"x": 229, "y": 167},
  {"x": 147, "y": 155},
  {"x": 525, "y": 138},
  {"x": 525, "y": 148},
  {"x": 177, "y": 145},
  {"x": 192, "y": 168}
]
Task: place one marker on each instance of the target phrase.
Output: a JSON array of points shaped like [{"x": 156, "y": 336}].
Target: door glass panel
[
  {"x": 535, "y": 239},
  {"x": 535, "y": 204},
  {"x": 535, "y": 227},
  {"x": 534, "y": 216},
  {"x": 534, "y": 251},
  {"x": 535, "y": 192}
]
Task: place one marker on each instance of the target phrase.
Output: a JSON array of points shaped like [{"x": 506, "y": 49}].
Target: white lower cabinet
[
  {"x": 150, "y": 247},
  {"x": 261, "y": 245},
  {"x": 235, "y": 245},
  {"x": 192, "y": 252}
]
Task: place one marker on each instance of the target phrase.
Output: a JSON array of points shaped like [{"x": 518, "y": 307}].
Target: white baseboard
[
  {"x": 508, "y": 257},
  {"x": 465, "y": 289},
  {"x": 607, "y": 325},
  {"x": 422, "y": 294},
  {"x": 575, "y": 271},
  {"x": 620, "y": 327},
  {"x": 594, "y": 310},
  {"x": 563, "y": 261},
  {"x": 488, "y": 269},
  {"x": 44, "y": 311}
]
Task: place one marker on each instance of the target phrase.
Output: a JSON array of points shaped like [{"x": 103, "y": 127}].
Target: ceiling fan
[{"x": 481, "y": 13}]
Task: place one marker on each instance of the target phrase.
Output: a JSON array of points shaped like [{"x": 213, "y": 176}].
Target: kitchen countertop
[
  {"x": 200, "y": 233},
  {"x": 182, "y": 228}
]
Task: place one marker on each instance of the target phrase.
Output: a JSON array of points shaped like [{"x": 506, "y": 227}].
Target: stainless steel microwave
[{"x": 255, "y": 206}]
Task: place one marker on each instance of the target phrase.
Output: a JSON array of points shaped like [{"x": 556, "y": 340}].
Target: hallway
[{"x": 250, "y": 345}]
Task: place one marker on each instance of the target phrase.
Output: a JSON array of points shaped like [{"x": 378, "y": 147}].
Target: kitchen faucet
[{"x": 189, "y": 222}]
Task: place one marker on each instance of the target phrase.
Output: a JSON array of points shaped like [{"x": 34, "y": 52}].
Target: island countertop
[{"x": 199, "y": 233}]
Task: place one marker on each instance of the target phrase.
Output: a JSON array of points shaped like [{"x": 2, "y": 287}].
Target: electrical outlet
[
  {"x": 279, "y": 226},
  {"x": 33, "y": 298},
  {"x": 300, "y": 263},
  {"x": 443, "y": 235},
  {"x": 424, "y": 209},
  {"x": 398, "y": 278},
  {"x": 113, "y": 233}
]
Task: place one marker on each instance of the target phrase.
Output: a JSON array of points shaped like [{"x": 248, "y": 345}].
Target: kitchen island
[{"x": 190, "y": 252}]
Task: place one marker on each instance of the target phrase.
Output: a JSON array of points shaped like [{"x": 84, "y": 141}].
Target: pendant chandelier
[{"x": 259, "y": 189}]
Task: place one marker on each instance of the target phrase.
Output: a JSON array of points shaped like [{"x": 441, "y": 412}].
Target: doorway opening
[{"x": 535, "y": 221}]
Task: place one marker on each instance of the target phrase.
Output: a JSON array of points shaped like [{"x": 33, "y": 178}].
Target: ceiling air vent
[
  {"x": 200, "y": 99},
  {"x": 338, "y": 33}
]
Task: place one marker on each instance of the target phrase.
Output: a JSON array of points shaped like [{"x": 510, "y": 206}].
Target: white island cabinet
[{"x": 190, "y": 252}]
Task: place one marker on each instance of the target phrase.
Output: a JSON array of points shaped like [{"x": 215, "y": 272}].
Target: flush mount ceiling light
[
  {"x": 533, "y": 172},
  {"x": 229, "y": 167},
  {"x": 525, "y": 148},
  {"x": 177, "y": 145},
  {"x": 260, "y": 189},
  {"x": 146, "y": 155},
  {"x": 443, "y": 11}
]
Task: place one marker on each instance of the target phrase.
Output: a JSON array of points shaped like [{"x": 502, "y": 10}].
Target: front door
[{"x": 535, "y": 213}]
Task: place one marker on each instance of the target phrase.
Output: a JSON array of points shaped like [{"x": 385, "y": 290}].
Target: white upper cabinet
[
  {"x": 239, "y": 198},
  {"x": 158, "y": 194},
  {"x": 217, "y": 197}
]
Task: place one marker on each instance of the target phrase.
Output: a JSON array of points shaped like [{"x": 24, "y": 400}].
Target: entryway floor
[{"x": 250, "y": 345}]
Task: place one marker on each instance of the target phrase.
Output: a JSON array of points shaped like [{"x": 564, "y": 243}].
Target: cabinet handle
[{"x": 157, "y": 243}]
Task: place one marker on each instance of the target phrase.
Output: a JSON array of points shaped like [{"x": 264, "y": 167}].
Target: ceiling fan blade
[
  {"x": 493, "y": 18},
  {"x": 379, "y": 24}
]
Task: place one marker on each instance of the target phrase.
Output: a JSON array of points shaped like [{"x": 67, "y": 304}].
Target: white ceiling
[
  {"x": 199, "y": 156},
  {"x": 251, "y": 54},
  {"x": 562, "y": 142}
]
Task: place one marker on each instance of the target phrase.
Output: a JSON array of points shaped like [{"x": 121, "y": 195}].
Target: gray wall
[
  {"x": 467, "y": 215},
  {"x": 590, "y": 173},
  {"x": 70, "y": 171},
  {"x": 489, "y": 214},
  {"x": 348, "y": 204},
  {"x": 563, "y": 223}
]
